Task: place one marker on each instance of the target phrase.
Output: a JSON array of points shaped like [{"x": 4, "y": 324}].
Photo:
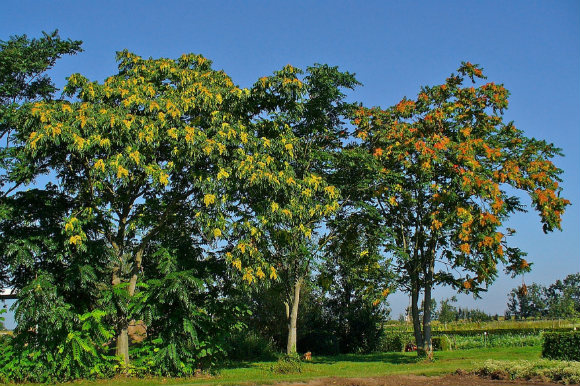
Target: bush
[
  {"x": 544, "y": 370},
  {"x": 395, "y": 342},
  {"x": 70, "y": 357},
  {"x": 248, "y": 345},
  {"x": 441, "y": 343},
  {"x": 287, "y": 364},
  {"x": 562, "y": 345}
]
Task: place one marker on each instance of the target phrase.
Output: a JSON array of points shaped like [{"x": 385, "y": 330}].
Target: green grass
[{"x": 351, "y": 365}]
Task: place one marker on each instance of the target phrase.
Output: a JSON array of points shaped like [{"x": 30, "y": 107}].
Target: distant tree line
[
  {"x": 448, "y": 312},
  {"x": 558, "y": 300}
]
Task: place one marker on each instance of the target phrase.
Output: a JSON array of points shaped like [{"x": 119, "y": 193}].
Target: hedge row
[
  {"x": 441, "y": 343},
  {"x": 499, "y": 331},
  {"x": 395, "y": 342},
  {"x": 562, "y": 345},
  {"x": 398, "y": 342}
]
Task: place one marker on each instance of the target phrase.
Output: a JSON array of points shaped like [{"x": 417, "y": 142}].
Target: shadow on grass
[
  {"x": 395, "y": 358},
  {"x": 238, "y": 364}
]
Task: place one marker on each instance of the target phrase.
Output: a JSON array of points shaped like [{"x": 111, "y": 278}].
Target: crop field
[{"x": 476, "y": 327}]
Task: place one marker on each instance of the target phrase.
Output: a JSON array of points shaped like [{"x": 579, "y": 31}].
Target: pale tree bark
[
  {"x": 292, "y": 315},
  {"x": 122, "y": 346},
  {"x": 136, "y": 270},
  {"x": 122, "y": 339}
]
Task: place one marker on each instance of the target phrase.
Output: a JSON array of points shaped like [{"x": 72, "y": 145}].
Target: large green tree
[
  {"x": 563, "y": 297},
  {"x": 305, "y": 114},
  {"x": 156, "y": 143},
  {"x": 24, "y": 63},
  {"x": 445, "y": 173},
  {"x": 527, "y": 301}
]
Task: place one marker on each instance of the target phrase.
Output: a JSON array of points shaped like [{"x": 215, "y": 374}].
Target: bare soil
[{"x": 458, "y": 379}]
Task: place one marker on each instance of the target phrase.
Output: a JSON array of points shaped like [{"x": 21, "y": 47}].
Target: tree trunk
[
  {"x": 135, "y": 271},
  {"x": 427, "y": 344},
  {"x": 292, "y": 313},
  {"x": 122, "y": 339},
  {"x": 415, "y": 314},
  {"x": 122, "y": 343},
  {"x": 122, "y": 347},
  {"x": 429, "y": 269}
]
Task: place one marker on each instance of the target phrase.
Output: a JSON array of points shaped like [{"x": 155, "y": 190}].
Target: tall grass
[
  {"x": 463, "y": 325},
  {"x": 463, "y": 342},
  {"x": 504, "y": 333}
]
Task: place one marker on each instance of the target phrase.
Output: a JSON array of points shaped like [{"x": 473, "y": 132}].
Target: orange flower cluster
[
  {"x": 405, "y": 106},
  {"x": 442, "y": 144},
  {"x": 491, "y": 153},
  {"x": 488, "y": 218},
  {"x": 487, "y": 241},
  {"x": 436, "y": 224},
  {"x": 543, "y": 195}
]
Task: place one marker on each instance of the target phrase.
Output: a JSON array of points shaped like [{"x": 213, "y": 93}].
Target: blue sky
[{"x": 394, "y": 47}]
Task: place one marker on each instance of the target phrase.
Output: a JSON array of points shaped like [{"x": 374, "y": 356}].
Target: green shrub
[
  {"x": 248, "y": 345},
  {"x": 562, "y": 345},
  {"x": 395, "y": 342},
  {"x": 441, "y": 343},
  {"x": 545, "y": 370},
  {"x": 39, "y": 356},
  {"x": 287, "y": 364}
]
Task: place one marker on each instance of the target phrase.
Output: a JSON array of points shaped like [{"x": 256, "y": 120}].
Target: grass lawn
[{"x": 351, "y": 365}]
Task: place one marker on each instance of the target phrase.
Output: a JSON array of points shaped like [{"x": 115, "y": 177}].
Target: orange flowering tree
[{"x": 443, "y": 172}]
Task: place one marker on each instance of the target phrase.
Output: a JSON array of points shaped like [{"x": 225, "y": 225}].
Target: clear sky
[{"x": 394, "y": 47}]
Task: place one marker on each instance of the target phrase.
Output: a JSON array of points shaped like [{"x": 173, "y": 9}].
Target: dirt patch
[{"x": 415, "y": 380}]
